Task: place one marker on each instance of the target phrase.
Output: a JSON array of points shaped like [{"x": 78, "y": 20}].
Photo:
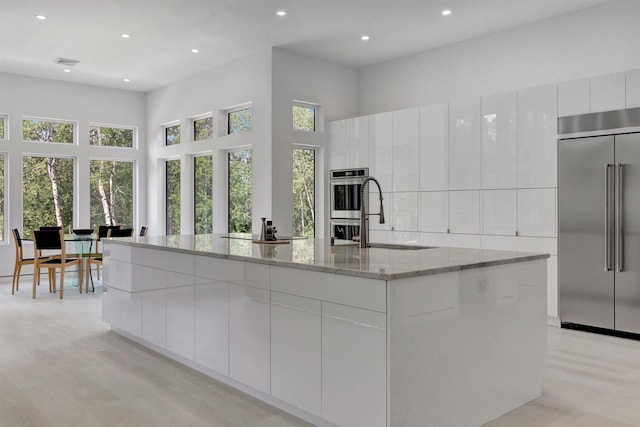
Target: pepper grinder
[{"x": 263, "y": 231}]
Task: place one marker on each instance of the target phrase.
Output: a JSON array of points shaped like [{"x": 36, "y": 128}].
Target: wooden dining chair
[
  {"x": 20, "y": 260},
  {"x": 52, "y": 240},
  {"x": 96, "y": 259}
]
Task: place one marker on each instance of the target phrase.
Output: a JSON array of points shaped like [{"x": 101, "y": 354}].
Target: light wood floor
[{"x": 61, "y": 366}]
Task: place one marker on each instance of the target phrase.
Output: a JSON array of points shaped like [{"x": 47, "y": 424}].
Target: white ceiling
[{"x": 163, "y": 32}]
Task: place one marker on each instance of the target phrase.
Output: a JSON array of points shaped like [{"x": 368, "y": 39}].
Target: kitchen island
[{"x": 339, "y": 335}]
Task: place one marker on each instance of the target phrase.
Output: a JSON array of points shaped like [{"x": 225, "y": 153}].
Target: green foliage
[
  {"x": 173, "y": 196},
  {"x": 304, "y": 118},
  {"x": 240, "y": 177},
  {"x": 2, "y": 134},
  {"x": 240, "y": 120},
  {"x": 47, "y": 131},
  {"x": 172, "y": 135},
  {"x": 203, "y": 194},
  {"x": 303, "y": 199},
  {"x": 111, "y": 193},
  {"x": 203, "y": 128},
  {"x": 111, "y": 137},
  {"x": 39, "y": 202},
  {"x": 1, "y": 197}
]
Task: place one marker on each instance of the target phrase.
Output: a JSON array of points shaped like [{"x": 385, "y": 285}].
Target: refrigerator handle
[
  {"x": 607, "y": 219},
  {"x": 619, "y": 217}
]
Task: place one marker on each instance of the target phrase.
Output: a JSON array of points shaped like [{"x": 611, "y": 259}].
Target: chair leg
[
  {"x": 80, "y": 276},
  {"x": 16, "y": 277},
  {"x": 98, "y": 272},
  {"x": 36, "y": 271},
  {"x": 86, "y": 276},
  {"x": 61, "y": 282},
  {"x": 51, "y": 274}
]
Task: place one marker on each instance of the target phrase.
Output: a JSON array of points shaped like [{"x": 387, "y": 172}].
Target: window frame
[
  {"x": 164, "y": 133},
  {"x": 4, "y": 118},
  {"x": 134, "y": 142},
  {"x": 305, "y": 104},
  {"x": 316, "y": 151},
  {"x": 5, "y": 222},
  {"x": 227, "y": 154},
  {"x": 229, "y": 111},
  {"x": 74, "y": 133},
  {"x": 166, "y": 193}
]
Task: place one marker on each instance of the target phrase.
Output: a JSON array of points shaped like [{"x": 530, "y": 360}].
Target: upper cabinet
[
  {"x": 573, "y": 98},
  {"x": 406, "y": 150},
  {"x": 358, "y": 142},
  {"x": 537, "y": 137},
  {"x": 608, "y": 92},
  {"x": 499, "y": 141},
  {"x": 434, "y": 147},
  {"x": 465, "y": 129},
  {"x": 633, "y": 89},
  {"x": 381, "y": 150},
  {"x": 338, "y": 153}
]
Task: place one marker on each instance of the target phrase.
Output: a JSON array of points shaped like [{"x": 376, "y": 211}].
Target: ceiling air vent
[{"x": 66, "y": 62}]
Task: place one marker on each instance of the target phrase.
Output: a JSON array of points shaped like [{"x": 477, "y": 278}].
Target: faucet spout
[{"x": 364, "y": 214}]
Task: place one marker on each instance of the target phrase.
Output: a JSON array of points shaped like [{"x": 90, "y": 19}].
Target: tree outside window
[
  {"x": 172, "y": 202},
  {"x": 47, "y": 192},
  {"x": 3, "y": 134},
  {"x": 36, "y": 130},
  {"x": 203, "y": 194},
  {"x": 2, "y": 230},
  {"x": 304, "y": 118},
  {"x": 303, "y": 192},
  {"x": 111, "y": 189},
  {"x": 240, "y": 187},
  {"x": 111, "y": 137},
  {"x": 172, "y": 135},
  {"x": 239, "y": 120},
  {"x": 203, "y": 128}
]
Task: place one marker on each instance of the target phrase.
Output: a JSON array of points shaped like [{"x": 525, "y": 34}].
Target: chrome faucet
[{"x": 364, "y": 215}]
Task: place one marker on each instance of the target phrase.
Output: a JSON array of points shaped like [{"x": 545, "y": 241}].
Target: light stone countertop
[{"x": 318, "y": 255}]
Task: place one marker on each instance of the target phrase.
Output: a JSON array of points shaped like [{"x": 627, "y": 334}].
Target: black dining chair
[
  {"x": 20, "y": 261},
  {"x": 53, "y": 240},
  {"x": 96, "y": 259}
]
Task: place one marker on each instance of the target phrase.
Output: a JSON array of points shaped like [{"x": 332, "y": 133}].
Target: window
[
  {"x": 240, "y": 176},
  {"x": 111, "y": 190},
  {"x": 2, "y": 224},
  {"x": 203, "y": 194},
  {"x": 304, "y": 117},
  {"x": 203, "y": 128},
  {"x": 47, "y": 192},
  {"x": 3, "y": 126},
  {"x": 36, "y": 130},
  {"x": 239, "y": 120},
  {"x": 304, "y": 194},
  {"x": 172, "y": 176},
  {"x": 172, "y": 135},
  {"x": 111, "y": 136}
]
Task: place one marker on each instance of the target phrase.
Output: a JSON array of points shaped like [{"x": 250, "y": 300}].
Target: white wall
[
  {"x": 590, "y": 42},
  {"x": 27, "y": 96},
  {"x": 333, "y": 87}
]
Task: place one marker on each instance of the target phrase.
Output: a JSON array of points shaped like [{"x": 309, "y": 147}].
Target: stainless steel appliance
[
  {"x": 344, "y": 215},
  {"x": 599, "y": 228}
]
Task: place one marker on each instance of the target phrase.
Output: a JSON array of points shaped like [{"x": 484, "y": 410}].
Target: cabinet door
[
  {"x": 499, "y": 141},
  {"x": 608, "y": 92},
  {"x": 406, "y": 150},
  {"x": 181, "y": 321},
  {"x": 464, "y": 212},
  {"x": 499, "y": 212},
  {"x": 358, "y": 142},
  {"x": 465, "y": 145},
  {"x": 212, "y": 325},
  {"x": 249, "y": 320},
  {"x": 574, "y": 98},
  {"x": 434, "y": 211},
  {"x": 537, "y": 137},
  {"x": 381, "y": 150},
  {"x": 338, "y": 145},
  {"x": 537, "y": 212},
  {"x": 123, "y": 310},
  {"x": 296, "y": 351},
  {"x": 154, "y": 317},
  {"x": 354, "y": 366},
  {"x": 633, "y": 89},
  {"x": 434, "y": 147}
]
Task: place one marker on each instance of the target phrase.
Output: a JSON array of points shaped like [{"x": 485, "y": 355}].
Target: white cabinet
[
  {"x": 537, "y": 137},
  {"x": 633, "y": 89},
  {"x": 608, "y": 92},
  {"x": 464, "y": 212},
  {"x": 123, "y": 310},
  {"x": 181, "y": 320},
  {"x": 406, "y": 150},
  {"x": 296, "y": 351},
  {"x": 354, "y": 366},
  {"x": 212, "y": 325},
  {"x": 574, "y": 98},
  {"x": 249, "y": 336},
  {"x": 405, "y": 211},
  {"x": 358, "y": 142},
  {"x": 154, "y": 317},
  {"x": 434, "y": 211},
  {"x": 338, "y": 152},
  {"x": 434, "y": 147},
  {"x": 381, "y": 150},
  {"x": 537, "y": 212},
  {"x": 499, "y": 212},
  {"x": 499, "y": 141},
  {"x": 464, "y": 145}
]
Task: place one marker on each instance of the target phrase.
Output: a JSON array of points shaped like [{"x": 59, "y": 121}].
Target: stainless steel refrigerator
[{"x": 599, "y": 232}]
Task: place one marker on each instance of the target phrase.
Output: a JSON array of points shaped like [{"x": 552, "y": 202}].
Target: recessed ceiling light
[
  {"x": 66, "y": 70},
  {"x": 195, "y": 50},
  {"x": 281, "y": 13},
  {"x": 125, "y": 36},
  {"x": 41, "y": 17},
  {"x": 126, "y": 80},
  {"x": 365, "y": 38},
  {"x": 446, "y": 12}
]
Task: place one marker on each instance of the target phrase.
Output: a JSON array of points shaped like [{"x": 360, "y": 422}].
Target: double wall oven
[{"x": 344, "y": 214}]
